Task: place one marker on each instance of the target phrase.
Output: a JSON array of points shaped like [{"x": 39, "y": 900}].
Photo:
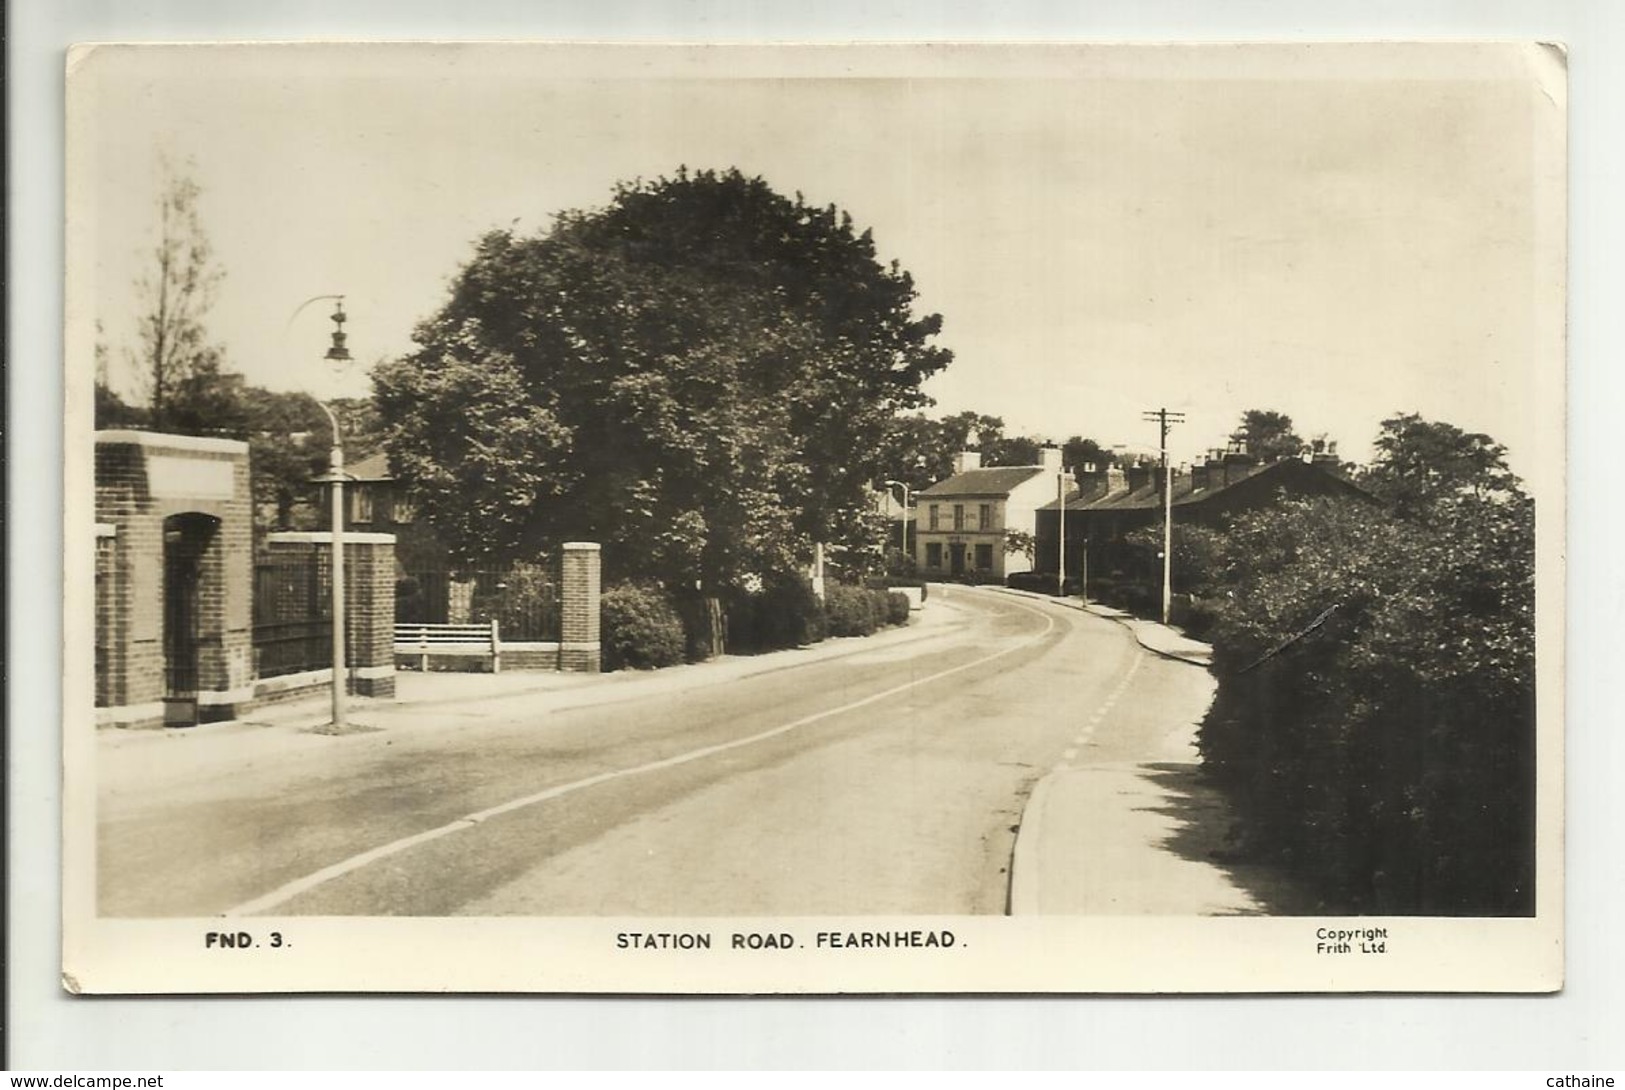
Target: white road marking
[
  {"x": 1086, "y": 735},
  {"x": 290, "y": 890}
]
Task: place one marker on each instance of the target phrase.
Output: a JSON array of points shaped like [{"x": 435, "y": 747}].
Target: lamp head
[{"x": 338, "y": 352}]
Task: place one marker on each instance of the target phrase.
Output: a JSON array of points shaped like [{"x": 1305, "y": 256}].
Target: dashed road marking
[{"x": 1086, "y": 735}]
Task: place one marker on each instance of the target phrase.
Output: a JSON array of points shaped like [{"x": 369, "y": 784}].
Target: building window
[
  {"x": 361, "y": 505},
  {"x": 933, "y": 549},
  {"x": 933, "y": 516},
  {"x": 959, "y": 517},
  {"x": 984, "y": 558},
  {"x": 984, "y": 517},
  {"x": 405, "y": 510}
]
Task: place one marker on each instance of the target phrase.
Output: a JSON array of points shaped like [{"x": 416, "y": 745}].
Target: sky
[{"x": 1335, "y": 234}]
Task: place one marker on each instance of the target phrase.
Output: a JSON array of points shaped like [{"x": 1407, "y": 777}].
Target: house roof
[
  {"x": 374, "y": 467},
  {"x": 1149, "y": 497},
  {"x": 992, "y": 481}
]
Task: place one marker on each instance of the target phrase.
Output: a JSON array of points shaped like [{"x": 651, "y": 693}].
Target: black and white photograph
[{"x": 814, "y": 519}]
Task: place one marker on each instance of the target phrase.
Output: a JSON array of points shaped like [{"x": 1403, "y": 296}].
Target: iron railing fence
[
  {"x": 293, "y": 629},
  {"x": 523, "y": 599}
]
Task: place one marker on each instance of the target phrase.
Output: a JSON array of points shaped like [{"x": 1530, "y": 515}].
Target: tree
[
  {"x": 921, "y": 450},
  {"x": 1078, "y": 452},
  {"x": 1013, "y": 450},
  {"x": 915, "y": 450},
  {"x": 1267, "y": 435},
  {"x": 1419, "y": 462},
  {"x": 1020, "y": 543},
  {"x": 699, "y": 376},
  {"x": 289, "y": 438},
  {"x": 175, "y": 359}
]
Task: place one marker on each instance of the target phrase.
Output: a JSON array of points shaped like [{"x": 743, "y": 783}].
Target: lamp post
[
  {"x": 335, "y": 477},
  {"x": 904, "y": 486}
]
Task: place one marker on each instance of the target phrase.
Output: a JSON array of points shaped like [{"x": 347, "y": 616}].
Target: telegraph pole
[
  {"x": 1165, "y": 420},
  {"x": 1060, "y": 566}
]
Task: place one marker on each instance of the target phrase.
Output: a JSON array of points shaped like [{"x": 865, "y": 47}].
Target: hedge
[
  {"x": 1374, "y": 723},
  {"x": 1039, "y": 582},
  {"x": 896, "y": 582}
]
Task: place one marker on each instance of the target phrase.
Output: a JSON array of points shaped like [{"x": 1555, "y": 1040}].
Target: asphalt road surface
[{"x": 870, "y": 777}]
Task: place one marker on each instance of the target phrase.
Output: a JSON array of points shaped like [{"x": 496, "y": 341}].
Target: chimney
[
  {"x": 967, "y": 460},
  {"x": 1050, "y": 459},
  {"x": 1199, "y": 477},
  {"x": 1116, "y": 482},
  {"x": 1139, "y": 475}
]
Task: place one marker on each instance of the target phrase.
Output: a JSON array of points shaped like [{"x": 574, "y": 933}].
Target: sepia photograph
[{"x": 814, "y": 519}]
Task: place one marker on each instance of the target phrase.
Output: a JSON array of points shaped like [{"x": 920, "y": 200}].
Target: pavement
[
  {"x": 1139, "y": 837},
  {"x": 425, "y": 701}
]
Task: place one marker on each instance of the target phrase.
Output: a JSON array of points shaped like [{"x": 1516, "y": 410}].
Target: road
[{"x": 866, "y": 777}]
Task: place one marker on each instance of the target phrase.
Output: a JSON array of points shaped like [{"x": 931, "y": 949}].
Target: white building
[{"x": 961, "y": 524}]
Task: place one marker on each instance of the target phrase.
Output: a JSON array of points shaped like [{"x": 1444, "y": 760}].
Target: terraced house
[{"x": 962, "y": 524}]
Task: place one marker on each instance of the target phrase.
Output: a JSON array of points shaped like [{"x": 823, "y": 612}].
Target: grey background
[{"x": 1568, "y": 1032}]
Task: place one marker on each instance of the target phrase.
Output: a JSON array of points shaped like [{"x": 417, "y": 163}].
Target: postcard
[{"x": 751, "y": 519}]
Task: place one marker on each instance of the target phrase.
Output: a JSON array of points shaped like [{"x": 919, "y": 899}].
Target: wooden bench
[{"x": 424, "y": 640}]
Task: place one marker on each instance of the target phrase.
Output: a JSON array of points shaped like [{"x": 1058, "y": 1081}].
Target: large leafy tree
[
  {"x": 1267, "y": 435},
  {"x": 1078, "y": 452},
  {"x": 699, "y": 376},
  {"x": 920, "y": 449},
  {"x": 1419, "y": 462}
]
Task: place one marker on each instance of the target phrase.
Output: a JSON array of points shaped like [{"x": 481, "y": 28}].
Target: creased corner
[
  {"x": 1549, "y": 64},
  {"x": 79, "y": 55}
]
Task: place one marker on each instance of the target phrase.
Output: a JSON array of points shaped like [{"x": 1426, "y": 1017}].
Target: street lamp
[
  {"x": 336, "y": 477},
  {"x": 904, "y": 486}
]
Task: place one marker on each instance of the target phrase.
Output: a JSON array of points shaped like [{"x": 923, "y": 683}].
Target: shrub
[
  {"x": 640, "y": 628},
  {"x": 1202, "y": 616},
  {"x": 784, "y": 613},
  {"x": 853, "y": 611},
  {"x": 897, "y": 608}
]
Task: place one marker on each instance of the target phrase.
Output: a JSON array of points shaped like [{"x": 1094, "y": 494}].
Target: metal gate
[{"x": 186, "y": 540}]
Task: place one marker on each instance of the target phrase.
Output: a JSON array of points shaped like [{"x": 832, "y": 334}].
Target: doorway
[
  {"x": 187, "y": 539},
  {"x": 956, "y": 557}
]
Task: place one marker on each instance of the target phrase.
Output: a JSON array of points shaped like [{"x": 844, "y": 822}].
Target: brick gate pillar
[
  {"x": 579, "y": 649},
  {"x": 369, "y": 600}
]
